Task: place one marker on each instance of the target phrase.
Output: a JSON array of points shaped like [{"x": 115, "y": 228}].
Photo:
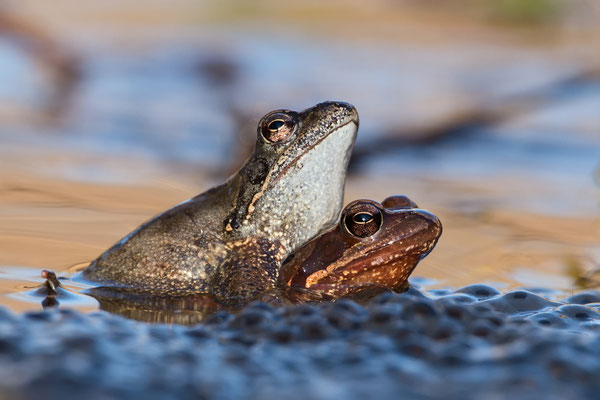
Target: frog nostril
[
  {"x": 343, "y": 111},
  {"x": 429, "y": 217},
  {"x": 423, "y": 223}
]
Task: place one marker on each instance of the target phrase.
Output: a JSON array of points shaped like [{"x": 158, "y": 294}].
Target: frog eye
[
  {"x": 278, "y": 126},
  {"x": 362, "y": 218}
]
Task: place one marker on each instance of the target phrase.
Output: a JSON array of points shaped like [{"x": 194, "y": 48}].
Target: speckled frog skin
[
  {"x": 374, "y": 246},
  {"x": 230, "y": 241}
]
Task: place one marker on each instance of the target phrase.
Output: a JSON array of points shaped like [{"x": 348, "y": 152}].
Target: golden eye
[
  {"x": 362, "y": 218},
  {"x": 278, "y": 127}
]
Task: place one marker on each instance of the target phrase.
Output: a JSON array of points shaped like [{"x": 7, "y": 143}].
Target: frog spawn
[{"x": 467, "y": 344}]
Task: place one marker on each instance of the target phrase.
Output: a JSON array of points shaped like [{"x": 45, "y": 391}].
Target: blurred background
[{"x": 485, "y": 112}]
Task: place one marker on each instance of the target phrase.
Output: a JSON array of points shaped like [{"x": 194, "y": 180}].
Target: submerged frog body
[
  {"x": 230, "y": 241},
  {"x": 373, "y": 246}
]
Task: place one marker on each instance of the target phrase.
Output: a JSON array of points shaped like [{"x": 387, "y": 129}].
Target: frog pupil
[
  {"x": 276, "y": 125},
  {"x": 362, "y": 218}
]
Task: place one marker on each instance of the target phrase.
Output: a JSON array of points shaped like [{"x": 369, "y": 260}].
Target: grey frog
[{"x": 231, "y": 240}]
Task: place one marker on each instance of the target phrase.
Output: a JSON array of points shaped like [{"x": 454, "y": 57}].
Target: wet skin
[
  {"x": 230, "y": 241},
  {"x": 373, "y": 246}
]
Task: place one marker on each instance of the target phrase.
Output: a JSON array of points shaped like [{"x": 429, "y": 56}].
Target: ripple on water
[{"x": 23, "y": 288}]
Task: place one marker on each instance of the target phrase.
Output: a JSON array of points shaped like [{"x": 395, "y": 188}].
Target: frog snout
[
  {"x": 430, "y": 225},
  {"x": 341, "y": 110}
]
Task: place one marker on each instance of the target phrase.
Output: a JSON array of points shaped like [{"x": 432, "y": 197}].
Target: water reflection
[
  {"x": 162, "y": 307},
  {"x": 153, "y": 307},
  {"x": 149, "y": 307},
  {"x": 60, "y": 291}
]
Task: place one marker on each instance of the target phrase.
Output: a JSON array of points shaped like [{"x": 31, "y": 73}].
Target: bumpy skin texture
[
  {"x": 333, "y": 265},
  {"x": 230, "y": 241},
  {"x": 339, "y": 263}
]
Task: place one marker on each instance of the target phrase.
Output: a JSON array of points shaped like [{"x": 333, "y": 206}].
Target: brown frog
[
  {"x": 373, "y": 246},
  {"x": 230, "y": 241}
]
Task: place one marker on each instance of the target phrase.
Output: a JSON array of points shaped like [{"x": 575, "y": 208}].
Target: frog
[
  {"x": 229, "y": 241},
  {"x": 373, "y": 246},
  {"x": 388, "y": 238}
]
